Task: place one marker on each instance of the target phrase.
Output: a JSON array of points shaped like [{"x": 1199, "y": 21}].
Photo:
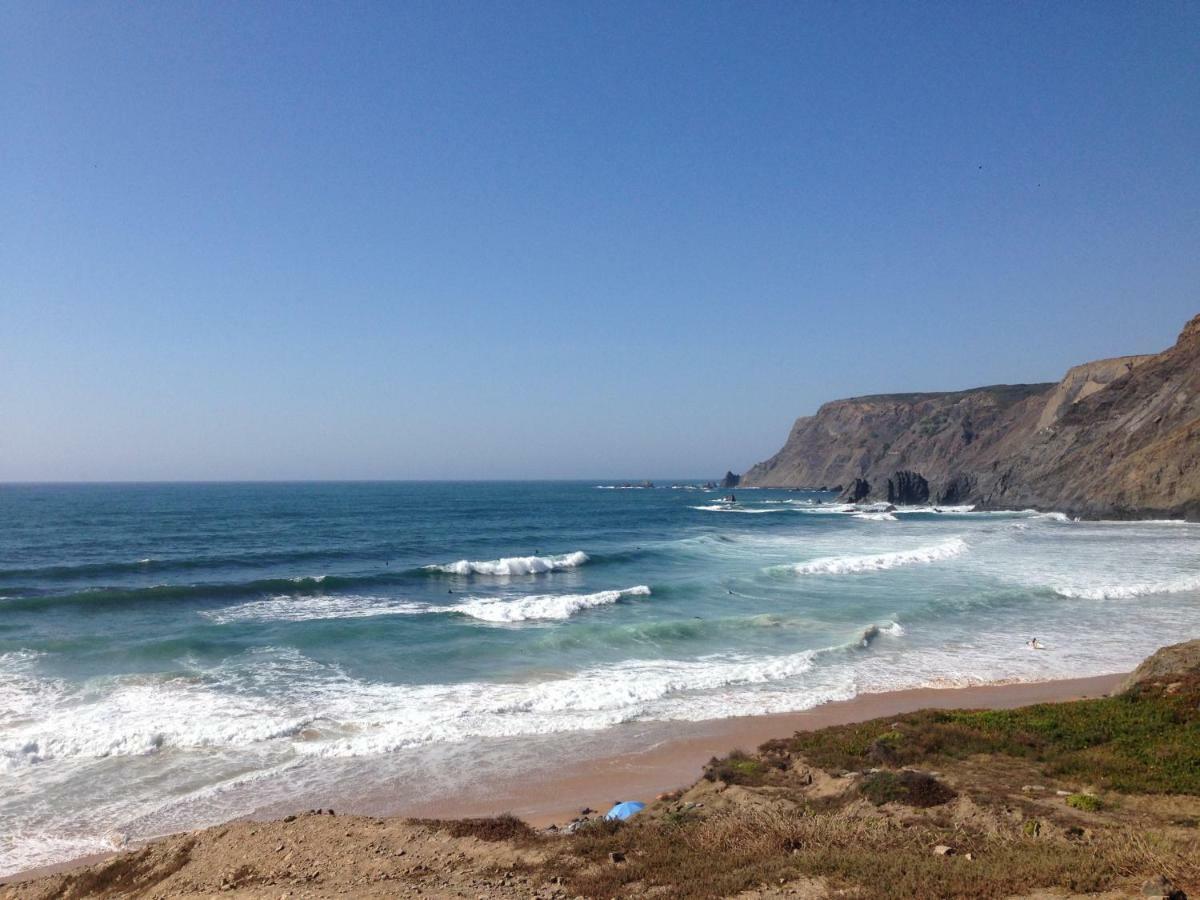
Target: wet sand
[{"x": 673, "y": 754}]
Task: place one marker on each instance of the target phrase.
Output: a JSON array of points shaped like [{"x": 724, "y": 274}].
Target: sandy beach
[
  {"x": 555, "y": 796},
  {"x": 671, "y": 758}
]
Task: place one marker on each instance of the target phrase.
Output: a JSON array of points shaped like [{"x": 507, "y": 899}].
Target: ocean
[{"x": 173, "y": 655}]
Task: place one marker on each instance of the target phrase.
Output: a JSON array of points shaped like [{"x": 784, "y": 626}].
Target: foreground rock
[
  {"x": 314, "y": 855},
  {"x": 1114, "y": 438},
  {"x": 1166, "y": 667}
]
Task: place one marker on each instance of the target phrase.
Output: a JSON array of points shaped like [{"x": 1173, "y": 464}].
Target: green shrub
[
  {"x": 909, "y": 788},
  {"x": 1085, "y": 802},
  {"x": 1143, "y": 742}
]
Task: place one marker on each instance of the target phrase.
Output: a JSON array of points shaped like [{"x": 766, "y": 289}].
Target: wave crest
[
  {"x": 513, "y": 565},
  {"x": 541, "y": 606},
  {"x": 845, "y": 565},
  {"x": 1131, "y": 589}
]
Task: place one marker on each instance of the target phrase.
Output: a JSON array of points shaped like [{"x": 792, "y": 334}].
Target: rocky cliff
[{"x": 1118, "y": 437}]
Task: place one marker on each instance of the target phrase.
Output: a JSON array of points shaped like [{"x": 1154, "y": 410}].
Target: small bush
[
  {"x": 737, "y": 768},
  {"x": 1085, "y": 802},
  {"x": 504, "y": 827},
  {"x": 910, "y": 788}
]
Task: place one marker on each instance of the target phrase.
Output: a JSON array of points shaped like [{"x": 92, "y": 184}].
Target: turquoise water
[{"x": 172, "y": 655}]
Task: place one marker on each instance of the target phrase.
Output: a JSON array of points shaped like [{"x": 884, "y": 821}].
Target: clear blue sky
[{"x": 423, "y": 240}]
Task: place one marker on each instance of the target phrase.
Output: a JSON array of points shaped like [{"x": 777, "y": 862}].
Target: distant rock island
[{"x": 1116, "y": 438}]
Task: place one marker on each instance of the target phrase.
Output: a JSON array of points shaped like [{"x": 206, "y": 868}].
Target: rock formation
[
  {"x": 1117, "y": 437},
  {"x": 1168, "y": 665}
]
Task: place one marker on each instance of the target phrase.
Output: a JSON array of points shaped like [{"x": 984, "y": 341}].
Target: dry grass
[
  {"x": 504, "y": 827},
  {"x": 866, "y": 856},
  {"x": 1147, "y": 742}
]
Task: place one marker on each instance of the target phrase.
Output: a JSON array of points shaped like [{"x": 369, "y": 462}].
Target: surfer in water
[{"x": 1035, "y": 644}]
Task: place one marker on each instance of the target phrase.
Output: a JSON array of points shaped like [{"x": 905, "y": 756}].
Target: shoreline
[{"x": 672, "y": 757}]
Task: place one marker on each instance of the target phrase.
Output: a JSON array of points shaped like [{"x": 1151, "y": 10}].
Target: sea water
[{"x": 176, "y": 655}]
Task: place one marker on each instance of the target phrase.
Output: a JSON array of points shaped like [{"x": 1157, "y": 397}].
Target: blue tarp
[{"x": 625, "y": 810}]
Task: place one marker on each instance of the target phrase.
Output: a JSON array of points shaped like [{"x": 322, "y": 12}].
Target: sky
[{"x": 559, "y": 240}]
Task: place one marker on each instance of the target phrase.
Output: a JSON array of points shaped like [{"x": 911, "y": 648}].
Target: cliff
[{"x": 1117, "y": 437}]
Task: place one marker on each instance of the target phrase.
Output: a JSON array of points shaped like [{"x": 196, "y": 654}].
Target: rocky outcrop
[
  {"x": 1114, "y": 438},
  {"x": 907, "y": 488},
  {"x": 859, "y": 490},
  {"x": 958, "y": 489},
  {"x": 730, "y": 480},
  {"x": 1166, "y": 665},
  {"x": 1083, "y": 381}
]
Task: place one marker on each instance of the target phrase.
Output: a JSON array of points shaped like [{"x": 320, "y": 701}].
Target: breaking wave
[
  {"x": 845, "y": 565},
  {"x": 541, "y": 606},
  {"x": 1129, "y": 590},
  {"x": 304, "y": 609},
  {"x": 513, "y": 565},
  {"x": 320, "y": 709}
]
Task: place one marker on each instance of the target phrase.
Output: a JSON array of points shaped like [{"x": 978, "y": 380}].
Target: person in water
[{"x": 1035, "y": 644}]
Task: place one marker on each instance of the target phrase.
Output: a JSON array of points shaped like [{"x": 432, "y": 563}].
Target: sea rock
[
  {"x": 907, "y": 489},
  {"x": 859, "y": 490},
  {"x": 958, "y": 489},
  {"x": 731, "y": 480}
]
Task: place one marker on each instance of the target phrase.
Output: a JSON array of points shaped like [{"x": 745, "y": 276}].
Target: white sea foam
[
  {"x": 844, "y": 565},
  {"x": 283, "y": 695},
  {"x": 513, "y": 565},
  {"x": 22, "y": 692},
  {"x": 541, "y": 606},
  {"x": 142, "y": 716},
  {"x": 876, "y": 516},
  {"x": 22, "y": 850},
  {"x": 725, "y": 507},
  {"x": 1130, "y": 589},
  {"x": 597, "y": 697},
  {"x": 286, "y": 608},
  {"x": 829, "y": 509}
]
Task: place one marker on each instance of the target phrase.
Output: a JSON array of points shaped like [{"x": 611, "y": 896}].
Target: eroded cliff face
[
  {"x": 948, "y": 439},
  {"x": 1115, "y": 437},
  {"x": 1131, "y": 449}
]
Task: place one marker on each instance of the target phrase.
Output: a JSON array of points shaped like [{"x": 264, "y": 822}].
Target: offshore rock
[{"x": 859, "y": 490}]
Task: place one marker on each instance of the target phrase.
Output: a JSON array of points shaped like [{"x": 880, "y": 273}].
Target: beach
[{"x": 671, "y": 759}]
